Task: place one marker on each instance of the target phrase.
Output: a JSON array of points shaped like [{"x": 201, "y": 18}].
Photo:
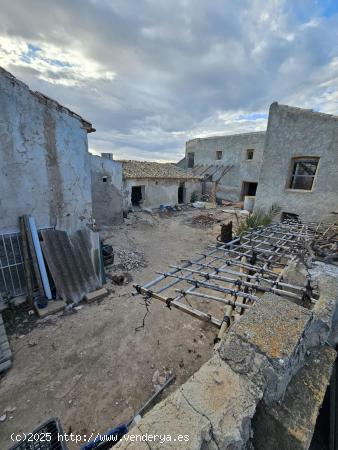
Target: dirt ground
[{"x": 91, "y": 368}]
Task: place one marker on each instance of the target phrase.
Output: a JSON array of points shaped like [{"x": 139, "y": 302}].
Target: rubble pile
[
  {"x": 325, "y": 248},
  {"x": 129, "y": 260},
  {"x": 204, "y": 220}
]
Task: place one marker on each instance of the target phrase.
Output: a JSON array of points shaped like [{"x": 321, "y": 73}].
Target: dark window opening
[
  {"x": 191, "y": 160},
  {"x": 137, "y": 195},
  {"x": 219, "y": 154},
  {"x": 248, "y": 188},
  {"x": 104, "y": 179},
  {"x": 250, "y": 153},
  {"x": 303, "y": 173}
]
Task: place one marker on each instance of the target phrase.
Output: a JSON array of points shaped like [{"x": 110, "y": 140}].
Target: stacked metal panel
[
  {"x": 70, "y": 264},
  {"x": 5, "y": 351}
]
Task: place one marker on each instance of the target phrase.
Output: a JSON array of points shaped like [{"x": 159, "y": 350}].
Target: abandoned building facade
[
  {"x": 107, "y": 187},
  {"x": 44, "y": 160},
  {"x": 299, "y": 169},
  {"x": 233, "y": 162},
  {"x": 151, "y": 184},
  {"x": 275, "y": 312},
  {"x": 292, "y": 164}
]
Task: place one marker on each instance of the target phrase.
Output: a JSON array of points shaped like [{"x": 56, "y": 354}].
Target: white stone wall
[
  {"x": 234, "y": 148},
  {"x": 44, "y": 161},
  {"x": 159, "y": 192},
  {"x": 294, "y": 132},
  {"x": 107, "y": 183}
]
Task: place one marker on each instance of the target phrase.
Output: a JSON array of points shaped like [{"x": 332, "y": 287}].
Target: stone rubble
[{"x": 128, "y": 260}]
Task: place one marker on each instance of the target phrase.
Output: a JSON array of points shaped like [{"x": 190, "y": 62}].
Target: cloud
[
  {"x": 152, "y": 74},
  {"x": 50, "y": 63}
]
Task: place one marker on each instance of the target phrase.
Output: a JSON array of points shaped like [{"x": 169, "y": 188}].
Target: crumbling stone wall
[
  {"x": 44, "y": 162},
  {"x": 106, "y": 176},
  {"x": 234, "y": 148},
  {"x": 263, "y": 387},
  {"x": 159, "y": 191},
  {"x": 295, "y": 132}
]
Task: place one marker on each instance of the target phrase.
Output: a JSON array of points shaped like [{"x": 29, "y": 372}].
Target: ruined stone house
[
  {"x": 233, "y": 161},
  {"x": 107, "y": 186},
  {"x": 150, "y": 184},
  {"x": 300, "y": 161},
  {"x": 292, "y": 164},
  {"x": 45, "y": 172},
  {"x": 44, "y": 160}
]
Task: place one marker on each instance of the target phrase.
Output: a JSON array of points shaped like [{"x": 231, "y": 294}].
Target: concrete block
[
  {"x": 268, "y": 344},
  {"x": 326, "y": 310},
  {"x": 53, "y": 307},
  {"x": 213, "y": 410},
  {"x": 96, "y": 295},
  {"x": 289, "y": 425}
]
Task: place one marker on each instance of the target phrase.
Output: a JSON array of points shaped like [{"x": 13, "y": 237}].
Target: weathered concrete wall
[
  {"x": 159, "y": 192},
  {"x": 264, "y": 385},
  {"x": 290, "y": 423},
  {"x": 44, "y": 165},
  {"x": 107, "y": 198},
  {"x": 294, "y": 132},
  {"x": 234, "y": 148}
]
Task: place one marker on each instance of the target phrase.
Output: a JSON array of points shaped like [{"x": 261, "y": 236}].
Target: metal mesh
[{"x": 12, "y": 275}]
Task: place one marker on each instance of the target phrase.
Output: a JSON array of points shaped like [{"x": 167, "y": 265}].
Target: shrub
[
  {"x": 194, "y": 197},
  {"x": 259, "y": 218}
]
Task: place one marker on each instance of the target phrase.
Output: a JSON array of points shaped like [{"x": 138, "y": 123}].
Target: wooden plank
[
  {"x": 96, "y": 295},
  {"x": 27, "y": 266},
  {"x": 180, "y": 306}
]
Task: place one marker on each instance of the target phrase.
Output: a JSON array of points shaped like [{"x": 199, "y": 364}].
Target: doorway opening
[
  {"x": 137, "y": 195},
  {"x": 248, "y": 188},
  {"x": 181, "y": 192}
]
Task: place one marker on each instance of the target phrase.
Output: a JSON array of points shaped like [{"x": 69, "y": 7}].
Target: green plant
[
  {"x": 259, "y": 218},
  {"x": 194, "y": 197},
  {"x": 10, "y": 312}
]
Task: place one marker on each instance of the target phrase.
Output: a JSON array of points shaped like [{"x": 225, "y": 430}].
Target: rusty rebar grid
[{"x": 256, "y": 263}]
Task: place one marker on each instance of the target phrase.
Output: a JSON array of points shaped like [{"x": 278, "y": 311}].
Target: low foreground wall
[{"x": 262, "y": 388}]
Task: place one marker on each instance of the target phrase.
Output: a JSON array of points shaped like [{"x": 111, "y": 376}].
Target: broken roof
[
  {"x": 147, "y": 169},
  {"x": 303, "y": 111},
  {"x": 48, "y": 101}
]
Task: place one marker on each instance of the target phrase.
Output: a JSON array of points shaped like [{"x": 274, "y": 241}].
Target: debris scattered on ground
[
  {"x": 120, "y": 278},
  {"x": 48, "y": 320},
  {"x": 9, "y": 409},
  {"x": 326, "y": 249},
  {"x": 129, "y": 260},
  {"x": 204, "y": 220},
  {"x": 19, "y": 319},
  {"x": 158, "y": 379},
  {"x": 141, "y": 217},
  {"x": 199, "y": 205}
]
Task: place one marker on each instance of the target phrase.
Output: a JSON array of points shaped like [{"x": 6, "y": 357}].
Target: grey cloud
[{"x": 178, "y": 64}]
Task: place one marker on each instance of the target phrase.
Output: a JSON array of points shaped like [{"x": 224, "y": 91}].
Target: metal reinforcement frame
[{"x": 236, "y": 274}]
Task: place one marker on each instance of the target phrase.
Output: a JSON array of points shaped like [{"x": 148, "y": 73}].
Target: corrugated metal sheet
[
  {"x": 70, "y": 265},
  {"x": 5, "y": 351}
]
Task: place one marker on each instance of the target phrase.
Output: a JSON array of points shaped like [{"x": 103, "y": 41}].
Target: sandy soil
[{"x": 92, "y": 369}]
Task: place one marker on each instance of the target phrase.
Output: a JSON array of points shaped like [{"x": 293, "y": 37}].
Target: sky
[{"x": 152, "y": 74}]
